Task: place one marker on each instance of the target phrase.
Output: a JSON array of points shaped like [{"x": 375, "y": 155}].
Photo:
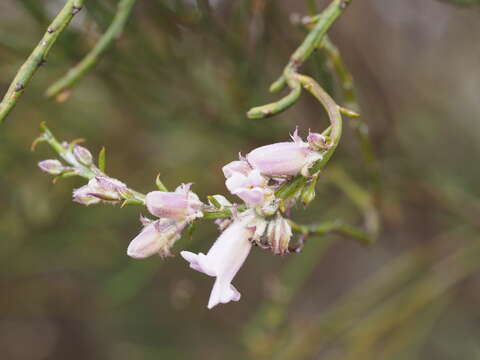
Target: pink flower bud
[
  {"x": 83, "y": 196},
  {"x": 285, "y": 158},
  {"x": 156, "y": 238},
  {"x": 317, "y": 141},
  {"x": 182, "y": 204},
  {"x": 106, "y": 188},
  {"x": 99, "y": 188},
  {"x": 53, "y": 167},
  {"x": 82, "y": 155}
]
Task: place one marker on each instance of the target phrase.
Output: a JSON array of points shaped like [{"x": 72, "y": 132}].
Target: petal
[
  {"x": 222, "y": 292},
  {"x": 239, "y": 166},
  {"x": 236, "y": 181},
  {"x": 145, "y": 244},
  {"x": 253, "y": 196}
]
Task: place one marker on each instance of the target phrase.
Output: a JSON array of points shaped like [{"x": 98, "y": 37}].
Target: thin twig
[
  {"x": 38, "y": 56},
  {"x": 115, "y": 29},
  {"x": 303, "y": 52}
]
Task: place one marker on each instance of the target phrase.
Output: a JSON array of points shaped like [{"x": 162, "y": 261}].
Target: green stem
[
  {"x": 334, "y": 117},
  {"x": 301, "y": 54},
  {"x": 38, "y": 57},
  {"x": 351, "y": 102},
  {"x": 333, "y": 227},
  {"x": 90, "y": 60}
]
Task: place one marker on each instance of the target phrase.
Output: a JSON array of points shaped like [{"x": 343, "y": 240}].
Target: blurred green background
[{"x": 171, "y": 97}]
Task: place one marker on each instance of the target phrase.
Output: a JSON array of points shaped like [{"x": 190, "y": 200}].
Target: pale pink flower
[
  {"x": 182, "y": 204},
  {"x": 224, "y": 259},
  {"x": 157, "y": 237},
  {"x": 247, "y": 183},
  {"x": 284, "y": 158}
]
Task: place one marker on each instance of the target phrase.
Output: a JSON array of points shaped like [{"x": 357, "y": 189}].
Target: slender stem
[
  {"x": 313, "y": 39},
  {"x": 333, "y": 227},
  {"x": 351, "y": 102},
  {"x": 301, "y": 54},
  {"x": 38, "y": 56},
  {"x": 333, "y": 115},
  {"x": 360, "y": 197},
  {"x": 115, "y": 29}
]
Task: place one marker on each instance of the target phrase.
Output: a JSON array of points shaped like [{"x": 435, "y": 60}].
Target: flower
[
  {"x": 52, "y": 166},
  {"x": 224, "y": 259},
  {"x": 100, "y": 188},
  {"x": 157, "y": 237},
  {"x": 284, "y": 158},
  {"x": 279, "y": 233},
  {"x": 182, "y": 204},
  {"x": 83, "y": 196},
  {"x": 247, "y": 183}
]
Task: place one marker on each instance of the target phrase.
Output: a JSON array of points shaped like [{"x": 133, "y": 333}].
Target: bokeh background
[{"x": 171, "y": 97}]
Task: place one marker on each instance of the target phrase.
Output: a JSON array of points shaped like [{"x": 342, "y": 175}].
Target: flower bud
[
  {"x": 285, "y": 158},
  {"x": 82, "y": 155},
  {"x": 156, "y": 238},
  {"x": 100, "y": 188},
  {"x": 318, "y": 141},
  {"x": 83, "y": 196},
  {"x": 279, "y": 233},
  {"x": 182, "y": 204},
  {"x": 106, "y": 188},
  {"x": 52, "y": 167}
]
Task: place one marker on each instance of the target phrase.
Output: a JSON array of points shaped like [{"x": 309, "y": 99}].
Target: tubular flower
[
  {"x": 182, "y": 204},
  {"x": 224, "y": 259},
  {"x": 285, "y": 158},
  {"x": 157, "y": 237},
  {"x": 247, "y": 183}
]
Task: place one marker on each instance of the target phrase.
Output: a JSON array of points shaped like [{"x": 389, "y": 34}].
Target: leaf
[
  {"x": 159, "y": 184},
  {"x": 101, "y": 159}
]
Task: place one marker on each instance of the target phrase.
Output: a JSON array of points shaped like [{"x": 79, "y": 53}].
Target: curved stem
[
  {"x": 113, "y": 32},
  {"x": 38, "y": 57}
]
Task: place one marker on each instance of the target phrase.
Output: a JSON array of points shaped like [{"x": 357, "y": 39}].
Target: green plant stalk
[
  {"x": 351, "y": 102},
  {"x": 337, "y": 227},
  {"x": 360, "y": 197},
  {"x": 301, "y": 54},
  {"x": 115, "y": 29},
  {"x": 37, "y": 57},
  {"x": 333, "y": 115}
]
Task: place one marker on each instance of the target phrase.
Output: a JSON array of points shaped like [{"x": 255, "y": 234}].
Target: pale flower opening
[{"x": 224, "y": 260}]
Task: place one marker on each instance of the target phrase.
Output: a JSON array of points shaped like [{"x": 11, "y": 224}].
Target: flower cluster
[
  {"x": 254, "y": 178},
  {"x": 175, "y": 211}
]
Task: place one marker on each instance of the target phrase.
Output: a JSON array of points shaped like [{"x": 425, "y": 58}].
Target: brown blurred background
[{"x": 171, "y": 97}]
